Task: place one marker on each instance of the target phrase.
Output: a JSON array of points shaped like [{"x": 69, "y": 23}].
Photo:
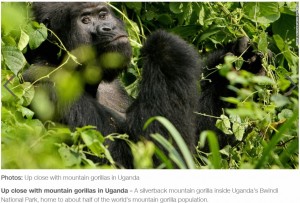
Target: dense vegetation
[{"x": 265, "y": 122}]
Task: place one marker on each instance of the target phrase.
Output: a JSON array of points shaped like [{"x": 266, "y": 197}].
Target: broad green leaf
[
  {"x": 69, "y": 157},
  {"x": 28, "y": 94},
  {"x": 26, "y": 112},
  {"x": 279, "y": 42},
  {"x": 224, "y": 125},
  {"x": 8, "y": 41},
  {"x": 24, "y": 39},
  {"x": 238, "y": 130},
  {"x": 165, "y": 19},
  {"x": 136, "y": 6},
  {"x": 37, "y": 36},
  {"x": 208, "y": 33},
  {"x": 93, "y": 140},
  {"x": 262, "y": 12},
  {"x": 285, "y": 114},
  {"x": 236, "y": 78},
  {"x": 263, "y": 42},
  {"x": 176, "y": 7},
  {"x": 13, "y": 58},
  {"x": 186, "y": 30},
  {"x": 280, "y": 100},
  {"x": 291, "y": 57},
  {"x": 150, "y": 15},
  {"x": 262, "y": 80}
]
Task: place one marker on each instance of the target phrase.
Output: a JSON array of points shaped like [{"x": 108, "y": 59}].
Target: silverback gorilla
[{"x": 171, "y": 71}]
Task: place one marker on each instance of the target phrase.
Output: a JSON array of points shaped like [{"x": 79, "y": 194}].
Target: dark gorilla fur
[
  {"x": 64, "y": 19},
  {"x": 171, "y": 70},
  {"x": 168, "y": 88}
]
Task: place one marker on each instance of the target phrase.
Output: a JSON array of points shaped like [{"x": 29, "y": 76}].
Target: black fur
[
  {"x": 64, "y": 20},
  {"x": 169, "y": 88},
  {"x": 107, "y": 35}
]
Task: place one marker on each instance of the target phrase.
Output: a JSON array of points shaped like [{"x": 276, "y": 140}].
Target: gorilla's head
[{"x": 90, "y": 25}]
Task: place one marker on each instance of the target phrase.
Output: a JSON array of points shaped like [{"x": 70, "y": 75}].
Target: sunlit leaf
[
  {"x": 37, "y": 36},
  {"x": 24, "y": 40},
  {"x": 70, "y": 157},
  {"x": 262, "y": 12},
  {"x": 14, "y": 59},
  {"x": 224, "y": 124}
]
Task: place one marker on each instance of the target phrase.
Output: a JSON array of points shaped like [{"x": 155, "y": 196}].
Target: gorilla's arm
[
  {"x": 168, "y": 88},
  {"x": 113, "y": 96},
  {"x": 85, "y": 110},
  {"x": 77, "y": 112}
]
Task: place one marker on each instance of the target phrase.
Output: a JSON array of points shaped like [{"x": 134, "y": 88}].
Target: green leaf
[
  {"x": 280, "y": 100},
  {"x": 209, "y": 33},
  {"x": 69, "y": 157},
  {"x": 28, "y": 94},
  {"x": 262, "y": 12},
  {"x": 186, "y": 30},
  {"x": 263, "y": 42},
  {"x": 238, "y": 127},
  {"x": 176, "y": 7},
  {"x": 136, "y": 6},
  {"x": 13, "y": 16},
  {"x": 238, "y": 130},
  {"x": 285, "y": 114},
  {"x": 93, "y": 140},
  {"x": 37, "y": 36},
  {"x": 224, "y": 125},
  {"x": 279, "y": 42},
  {"x": 23, "y": 41},
  {"x": 201, "y": 15},
  {"x": 142, "y": 153},
  {"x": 150, "y": 15},
  {"x": 177, "y": 137},
  {"x": 165, "y": 19},
  {"x": 262, "y": 80},
  {"x": 13, "y": 58},
  {"x": 291, "y": 58},
  {"x": 26, "y": 112},
  {"x": 232, "y": 100},
  {"x": 213, "y": 146},
  {"x": 173, "y": 153},
  {"x": 267, "y": 153},
  {"x": 286, "y": 27}
]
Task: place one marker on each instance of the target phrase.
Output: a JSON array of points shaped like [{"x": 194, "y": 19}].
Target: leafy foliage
[{"x": 264, "y": 123}]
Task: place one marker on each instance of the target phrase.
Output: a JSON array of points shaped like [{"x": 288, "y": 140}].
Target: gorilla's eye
[
  {"x": 103, "y": 15},
  {"x": 85, "y": 20}
]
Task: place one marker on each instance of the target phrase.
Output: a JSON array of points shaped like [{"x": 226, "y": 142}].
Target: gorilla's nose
[{"x": 104, "y": 28}]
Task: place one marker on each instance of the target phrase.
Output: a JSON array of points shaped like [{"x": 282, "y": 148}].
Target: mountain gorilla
[{"x": 91, "y": 32}]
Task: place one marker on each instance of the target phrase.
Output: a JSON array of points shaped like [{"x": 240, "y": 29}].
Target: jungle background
[{"x": 265, "y": 121}]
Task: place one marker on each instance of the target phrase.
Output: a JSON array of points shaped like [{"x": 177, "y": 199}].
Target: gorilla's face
[
  {"x": 101, "y": 25},
  {"x": 94, "y": 23},
  {"x": 89, "y": 24}
]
